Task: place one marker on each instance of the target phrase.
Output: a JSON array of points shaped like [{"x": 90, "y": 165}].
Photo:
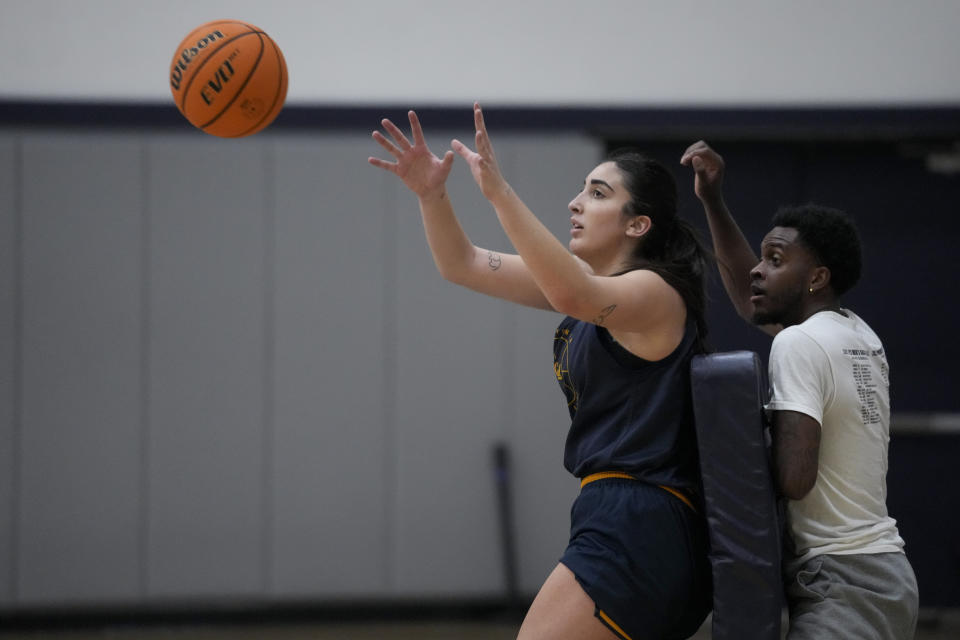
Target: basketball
[{"x": 228, "y": 78}]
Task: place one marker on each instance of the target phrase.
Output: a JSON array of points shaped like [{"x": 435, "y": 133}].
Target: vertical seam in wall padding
[
  {"x": 145, "y": 326},
  {"x": 17, "y": 390},
  {"x": 508, "y": 382},
  {"x": 389, "y": 372},
  {"x": 268, "y": 366}
]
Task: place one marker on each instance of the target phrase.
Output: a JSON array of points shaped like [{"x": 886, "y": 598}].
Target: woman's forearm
[
  {"x": 556, "y": 271},
  {"x": 451, "y": 248}
]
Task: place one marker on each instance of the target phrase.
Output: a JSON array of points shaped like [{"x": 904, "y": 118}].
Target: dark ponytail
[{"x": 672, "y": 247}]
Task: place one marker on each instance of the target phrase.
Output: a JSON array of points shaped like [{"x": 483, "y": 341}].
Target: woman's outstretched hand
[
  {"x": 421, "y": 171},
  {"x": 483, "y": 163}
]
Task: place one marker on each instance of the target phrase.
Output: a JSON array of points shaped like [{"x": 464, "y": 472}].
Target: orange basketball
[{"x": 228, "y": 78}]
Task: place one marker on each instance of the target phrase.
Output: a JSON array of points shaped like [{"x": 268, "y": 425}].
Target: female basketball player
[{"x": 631, "y": 288}]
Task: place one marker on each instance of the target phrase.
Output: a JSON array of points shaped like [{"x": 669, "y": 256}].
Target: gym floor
[{"x": 934, "y": 625}]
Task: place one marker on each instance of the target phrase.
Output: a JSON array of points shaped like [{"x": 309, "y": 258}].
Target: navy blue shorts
[{"x": 640, "y": 553}]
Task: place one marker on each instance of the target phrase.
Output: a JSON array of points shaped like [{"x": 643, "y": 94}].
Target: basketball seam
[
  {"x": 276, "y": 97},
  {"x": 246, "y": 80}
]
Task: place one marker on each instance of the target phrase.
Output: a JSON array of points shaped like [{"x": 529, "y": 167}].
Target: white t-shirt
[{"x": 832, "y": 368}]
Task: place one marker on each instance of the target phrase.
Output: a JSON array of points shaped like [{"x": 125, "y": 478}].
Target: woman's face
[{"x": 599, "y": 227}]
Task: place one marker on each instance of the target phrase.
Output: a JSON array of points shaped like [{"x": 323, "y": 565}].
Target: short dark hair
[{"x": 831, "y": 236}]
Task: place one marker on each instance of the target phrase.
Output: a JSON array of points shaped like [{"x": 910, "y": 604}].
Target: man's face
[{"x": 780, "y": 280}]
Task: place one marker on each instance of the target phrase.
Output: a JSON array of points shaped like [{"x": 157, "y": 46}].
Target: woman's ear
[{"x": 638, "y": 226}]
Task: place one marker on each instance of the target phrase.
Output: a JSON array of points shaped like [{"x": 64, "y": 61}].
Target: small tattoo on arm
[
  {"x": 604, "y": 313},
  {"x": 494, "y": 261}
]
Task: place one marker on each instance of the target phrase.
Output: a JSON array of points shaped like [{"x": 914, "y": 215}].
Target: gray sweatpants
[{"x": 869, "y": 596}]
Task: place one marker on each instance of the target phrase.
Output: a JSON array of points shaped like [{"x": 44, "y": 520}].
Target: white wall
[{"x": 603, "y": 52}]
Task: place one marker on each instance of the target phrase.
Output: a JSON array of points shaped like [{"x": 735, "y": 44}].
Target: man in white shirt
[{"x": 846, "y": 573}]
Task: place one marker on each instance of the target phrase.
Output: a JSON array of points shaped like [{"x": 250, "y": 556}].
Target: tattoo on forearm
[
  {"x": 494, "y": 261},
  {"x": 604, "y": 313}
]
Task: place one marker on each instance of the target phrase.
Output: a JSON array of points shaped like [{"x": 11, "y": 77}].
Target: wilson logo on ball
[{"x": 187, "y": 55}]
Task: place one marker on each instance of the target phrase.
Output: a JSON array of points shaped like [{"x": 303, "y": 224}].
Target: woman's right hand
[{"x": 421, "y": 171}]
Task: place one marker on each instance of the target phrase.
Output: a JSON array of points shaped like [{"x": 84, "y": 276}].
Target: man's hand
[{"x": 708, "y": 167}]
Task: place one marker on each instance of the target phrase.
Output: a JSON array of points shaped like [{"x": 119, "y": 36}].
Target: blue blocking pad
[{"x": 745, "y": 523}]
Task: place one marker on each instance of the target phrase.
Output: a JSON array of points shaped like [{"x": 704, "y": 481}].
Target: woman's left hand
[{"x": 483, "y": 163}]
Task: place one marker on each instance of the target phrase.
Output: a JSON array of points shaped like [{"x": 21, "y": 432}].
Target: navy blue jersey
[{"x": 628, "y": 414}]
